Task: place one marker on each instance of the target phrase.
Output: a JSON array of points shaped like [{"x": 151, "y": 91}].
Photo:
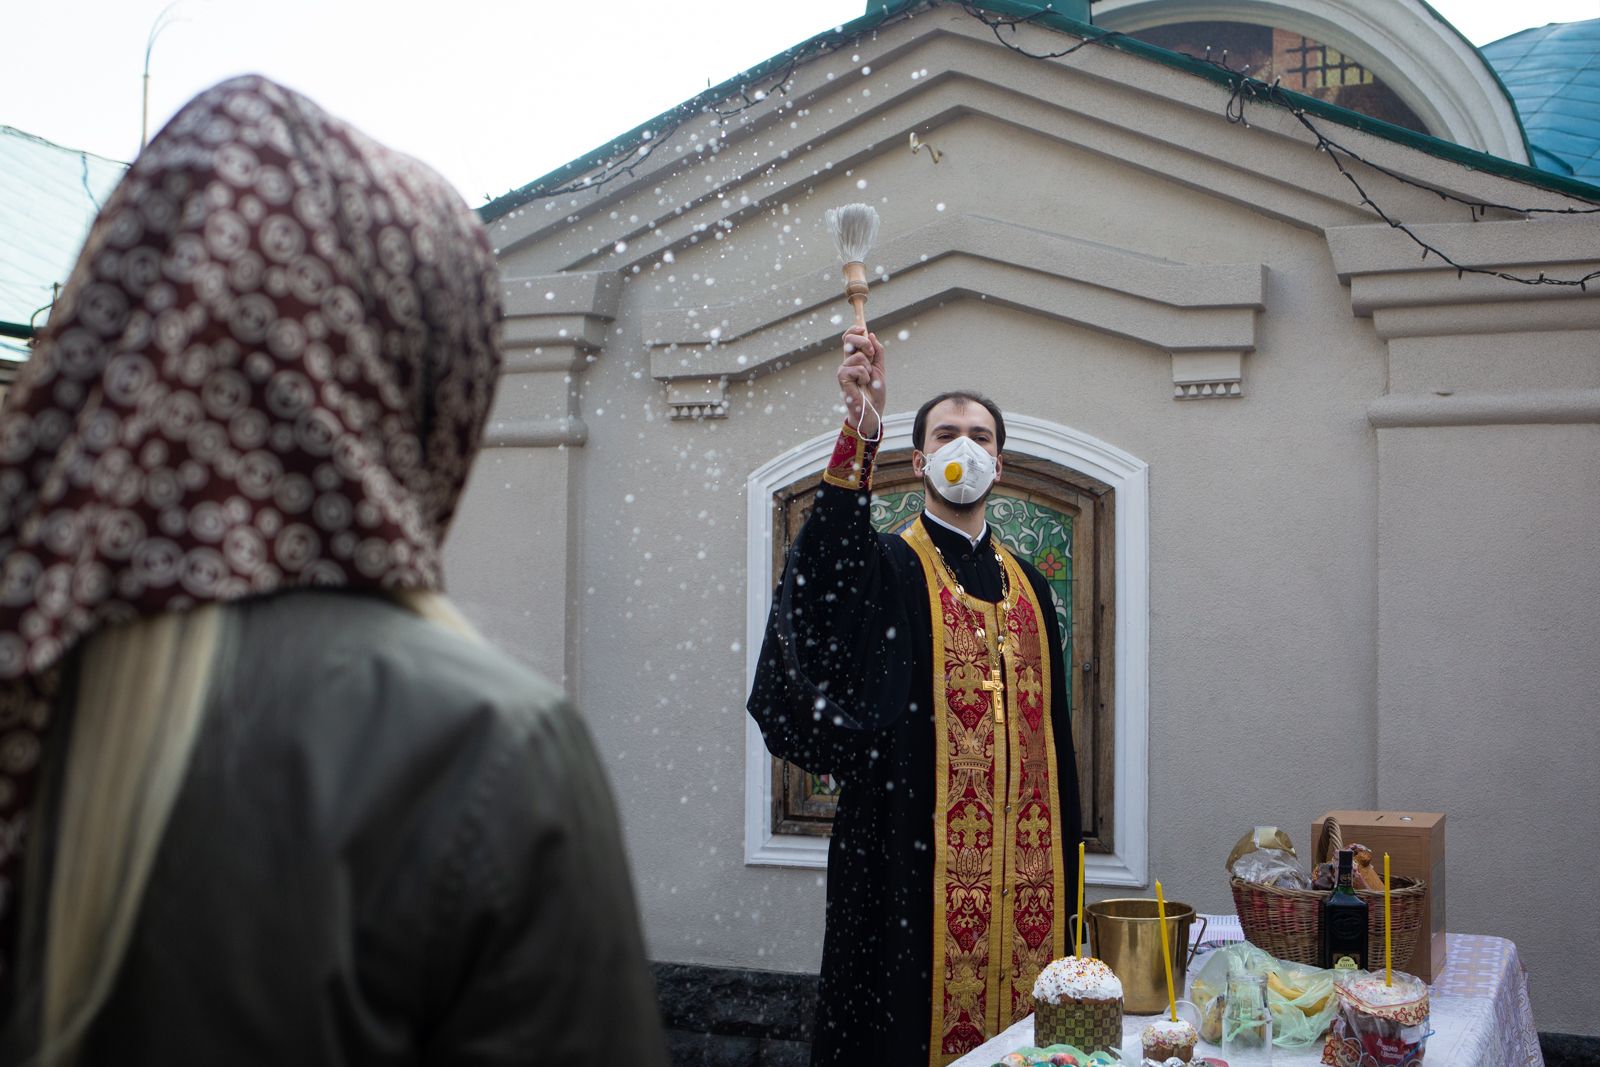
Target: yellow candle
[
  {"x": 1079, "y": 951},
  {"x": 1166, "y": 951},
  {"x": 1388, "y": 957}
]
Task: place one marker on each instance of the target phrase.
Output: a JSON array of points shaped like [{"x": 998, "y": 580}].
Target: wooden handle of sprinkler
[{"x": 855, "y": 290}]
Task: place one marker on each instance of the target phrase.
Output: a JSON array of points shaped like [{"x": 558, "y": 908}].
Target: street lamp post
[{"x": 162, "y": 21}]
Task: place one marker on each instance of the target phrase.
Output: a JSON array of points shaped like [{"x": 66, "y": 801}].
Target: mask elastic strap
[{"x": 862, "y": 420}]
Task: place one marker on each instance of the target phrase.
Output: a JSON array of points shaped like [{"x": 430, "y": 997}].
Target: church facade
[{"x": 1303, "y": 427}]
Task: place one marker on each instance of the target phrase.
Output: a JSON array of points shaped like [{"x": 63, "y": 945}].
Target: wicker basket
[{"x": 1288, "y": 922}]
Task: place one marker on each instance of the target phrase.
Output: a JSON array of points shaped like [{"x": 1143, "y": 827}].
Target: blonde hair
[
  {"x": 142, "y": 693},
  {"x": 436, "y": 608}
]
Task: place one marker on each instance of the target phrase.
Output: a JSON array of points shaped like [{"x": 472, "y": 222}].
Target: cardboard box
[{"x": 1414, "y": 841}]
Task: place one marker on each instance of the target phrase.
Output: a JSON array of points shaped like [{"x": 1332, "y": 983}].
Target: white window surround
[
  {"x": 1129, "y": 477},
  {"x": 1412, "y": 49}
]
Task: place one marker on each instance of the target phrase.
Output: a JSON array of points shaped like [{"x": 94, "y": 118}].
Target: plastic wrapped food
[
  {"x": 1260, "y": 837},
  {"x": 1378, "y": 1025},
  {"x": 1271, "y": 866},
  {"x": 1301, "y": 998}
]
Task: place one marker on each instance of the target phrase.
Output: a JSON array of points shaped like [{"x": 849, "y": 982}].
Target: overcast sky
[{"x": 494, "y": 93}]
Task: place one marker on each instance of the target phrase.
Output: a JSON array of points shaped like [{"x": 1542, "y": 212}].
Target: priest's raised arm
[{"x": 834, "y": 670}]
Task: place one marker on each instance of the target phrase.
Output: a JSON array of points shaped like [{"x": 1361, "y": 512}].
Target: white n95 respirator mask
[{"x": 961, "y": 471}]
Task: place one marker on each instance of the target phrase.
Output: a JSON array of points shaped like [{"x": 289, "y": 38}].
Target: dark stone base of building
[
  {"x": 730, "y": 1017},
  {"x": 1569, "y": 1050}
]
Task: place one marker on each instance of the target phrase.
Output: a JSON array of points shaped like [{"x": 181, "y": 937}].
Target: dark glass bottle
[{"x": 1344, "y": 919}]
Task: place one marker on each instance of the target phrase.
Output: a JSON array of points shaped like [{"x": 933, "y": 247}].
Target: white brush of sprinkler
[{"x": 854, "y": 227}]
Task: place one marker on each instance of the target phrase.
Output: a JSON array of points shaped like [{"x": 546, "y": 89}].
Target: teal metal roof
[
  {"x": 49, "y": 196},
  {"x": 1553, "y": 75},
  {"x": 1039, "y": 14}
]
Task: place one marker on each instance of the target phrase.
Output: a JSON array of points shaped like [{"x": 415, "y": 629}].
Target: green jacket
[{"x": 394, "y": 846}]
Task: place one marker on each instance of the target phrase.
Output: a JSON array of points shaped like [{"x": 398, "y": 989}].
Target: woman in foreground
[{"x": 264, "y": 796}]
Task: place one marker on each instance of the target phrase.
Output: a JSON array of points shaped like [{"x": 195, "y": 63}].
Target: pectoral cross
[{"x": 997, "y": 695}]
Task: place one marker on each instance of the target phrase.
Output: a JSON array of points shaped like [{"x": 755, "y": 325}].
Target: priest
[{"x": 924, "y": 670}]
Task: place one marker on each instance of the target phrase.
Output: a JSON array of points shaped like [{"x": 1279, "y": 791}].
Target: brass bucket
[{"x": 1125, "y": 934}]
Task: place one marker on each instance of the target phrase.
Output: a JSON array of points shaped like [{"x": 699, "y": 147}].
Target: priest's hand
[{"x": 861, "y": 380}]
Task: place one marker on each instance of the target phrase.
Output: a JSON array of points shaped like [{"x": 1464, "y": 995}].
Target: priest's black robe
[{"x": 844, "y": 686}]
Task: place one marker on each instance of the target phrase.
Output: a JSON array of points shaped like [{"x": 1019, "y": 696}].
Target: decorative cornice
[
  {"x": 1553, "y": 406},
  {"x": 554, "y": 325},
  {"x": 1178, "y": 308},
  {"x": 535, "y": 433},
  {"x": 745, "y": 184},
  {"x": 1207, "y": 375},
  {"x": 577, "y": 293},
  {"x": 1532, "y": 315},
  {"x": 1159, "y": 281},
  {"x": 698, "y": 398},
  {"x": 557, "y": 321},
  {"x": 1114, "y": 105},
  {"x": 1510, "y": 244},
  {"x": 1409, "y": 295},
  {"x": 1217, "y": 390}
]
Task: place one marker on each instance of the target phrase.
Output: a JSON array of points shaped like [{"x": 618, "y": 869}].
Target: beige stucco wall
[
  {"x": 515, "y": 508},
  {"x": 1489, "y": 664},
  {"x": 1488, "y": 678},
  {"x": 1324, "y": 631}
]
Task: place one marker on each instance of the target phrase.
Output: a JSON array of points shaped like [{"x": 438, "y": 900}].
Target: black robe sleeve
[{"x": 835, "y": 664}]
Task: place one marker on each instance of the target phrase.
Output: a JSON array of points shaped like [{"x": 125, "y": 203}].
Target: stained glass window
[
  {"x": 1290, "y": 59},
  {"x": 1060, "y": 522},
  {"x": 1032, "y": 530}
]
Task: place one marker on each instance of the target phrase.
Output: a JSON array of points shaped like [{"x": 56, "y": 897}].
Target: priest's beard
[{"x": 962, "y": 510}]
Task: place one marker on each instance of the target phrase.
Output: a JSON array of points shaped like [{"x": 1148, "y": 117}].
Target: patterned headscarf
[{"x": 269, "y": 369}]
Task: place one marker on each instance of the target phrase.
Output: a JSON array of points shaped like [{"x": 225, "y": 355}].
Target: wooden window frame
[{"x": 1092, "y": 504}]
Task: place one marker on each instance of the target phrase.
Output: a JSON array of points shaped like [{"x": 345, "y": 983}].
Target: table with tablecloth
[{"x": 1480, "y": 1012}]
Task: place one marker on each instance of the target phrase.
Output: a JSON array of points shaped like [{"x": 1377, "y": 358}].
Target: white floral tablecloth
[{"x": 1481, "y": 1014}]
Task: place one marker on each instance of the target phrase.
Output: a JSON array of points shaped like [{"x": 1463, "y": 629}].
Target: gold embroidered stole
[{"x": 999, "y": 884}]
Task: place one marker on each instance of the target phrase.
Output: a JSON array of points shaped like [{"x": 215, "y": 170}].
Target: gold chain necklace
[
  {"x": 1005, "y": 585},
  {"x": 994, "y": 685}
]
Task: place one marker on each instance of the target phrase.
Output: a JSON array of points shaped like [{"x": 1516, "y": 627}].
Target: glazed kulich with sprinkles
[
  {"x": 1078, "y": 1001},
  {"x": 1165, "y": 1040}
]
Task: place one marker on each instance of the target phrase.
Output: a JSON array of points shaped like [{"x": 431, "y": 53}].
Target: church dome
[{"x": 1553, "y": 75}]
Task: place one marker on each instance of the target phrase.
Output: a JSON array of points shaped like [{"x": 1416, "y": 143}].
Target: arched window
[
  {"x": 1291, "y": 59},
  {"x": 1076, "y": 509},
  {"x": 1056, "y": 519}
]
